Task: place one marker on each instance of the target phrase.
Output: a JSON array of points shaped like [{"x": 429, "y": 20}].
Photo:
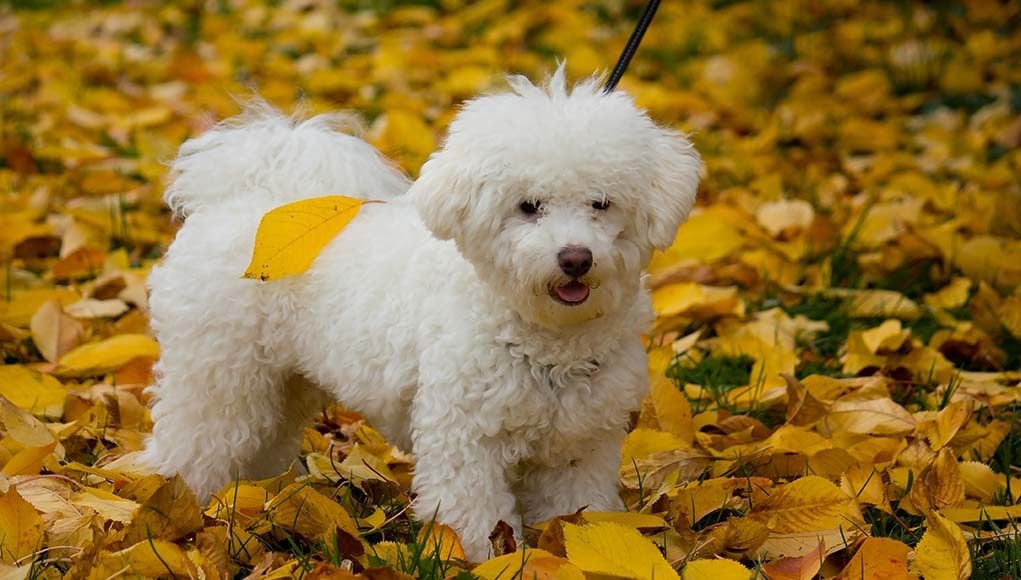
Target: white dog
[{"x": 487, "y": 317}]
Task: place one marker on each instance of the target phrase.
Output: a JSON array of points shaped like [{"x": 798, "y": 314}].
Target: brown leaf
[
  {"x": 53, "y": 332},
  {"x": 939, "y": 485},
  {"x": 502, "y": 539},
  {"x": 800, "y": 568},
  {"x": 802, "y": 407},
  {"x": 878, "y": 559}
]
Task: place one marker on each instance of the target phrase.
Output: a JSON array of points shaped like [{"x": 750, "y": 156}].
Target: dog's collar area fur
[{"x": 556, "y": 375}]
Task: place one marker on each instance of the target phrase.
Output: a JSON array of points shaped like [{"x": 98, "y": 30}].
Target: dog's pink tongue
[{"x": 573, "y": 291}]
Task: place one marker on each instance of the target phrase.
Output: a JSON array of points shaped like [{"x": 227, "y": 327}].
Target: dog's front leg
[
  {"x": 461, "y": 481},
  {"x": 591, "y": 480}
]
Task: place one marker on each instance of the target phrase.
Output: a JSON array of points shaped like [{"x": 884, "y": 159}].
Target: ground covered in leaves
[{"x": 836, "y": 356}]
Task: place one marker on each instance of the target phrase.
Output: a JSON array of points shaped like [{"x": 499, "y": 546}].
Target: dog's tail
[{"x": 271, "y": 159}]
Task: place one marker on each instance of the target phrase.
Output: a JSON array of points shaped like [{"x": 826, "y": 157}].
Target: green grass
[
  {"x": 719, "y": 375},
  {"x": 831, "y": 310},
  {"x": 899, "y": 525},
  {"x": 1007, "y": 457},
  {"x": 996, "y": 559}
]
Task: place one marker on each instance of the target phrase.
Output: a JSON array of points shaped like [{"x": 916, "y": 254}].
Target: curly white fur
[{"x": 434, "y": 314}]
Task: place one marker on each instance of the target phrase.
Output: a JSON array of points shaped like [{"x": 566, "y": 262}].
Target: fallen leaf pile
[{"x": 837, "y": 353}]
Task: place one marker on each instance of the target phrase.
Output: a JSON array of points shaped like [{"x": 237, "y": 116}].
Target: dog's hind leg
[
  {"x": 213, "y": 421},
  {"x": 280, "y": 447}
]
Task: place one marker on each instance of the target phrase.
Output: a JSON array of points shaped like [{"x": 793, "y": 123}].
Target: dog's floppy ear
[
  {"x": 443, "y": 194},
  {"x": 671, "y": 195}
]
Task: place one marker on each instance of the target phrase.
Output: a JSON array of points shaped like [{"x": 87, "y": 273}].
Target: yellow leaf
[
  {"x": 644, "y": 442},
  {"x": 737, "y": 538},
  {"x": 22, "y": 427},
  {"x": 532, "y": 563},
  {"x": 801, "y": 543},
  {"x": 705, "y": 237},
  {"x": 869, "y": 417},
  {"x": 238, "y": 500},
  {"x": 19, "y": 573},
  {"x": 878, "y": 559},
  {"x": 291, "y": 236},
  {"x": 928, "y": 364},
  {"x": 888, "y": 336},
  {"x": 865, "y": 483},
  {"x": 303, "y": 510},
  {"x": 780, "y": 216},
  {"x": 939, "y": 485},
  {"x": 615, "y": 550},
  {"x": 953, "y": 295},
  {"x": 392, "y": 553},
  {"x": 798, "y": 568},
  {"x": 28, "y": 461},
  {"x": 942, "y": 553},
  {"x": 696, "y": 300},
  {"x": 169, "y": 509},
  {"x": 21, "y": 528},
  {"x": 983, "y": 513},
  {"x": 373, "y": 521},
  {"x": 630, "y": 519},
  {"x": 107, "y": 505},
  {"x": 947, "y": 424},
  {"x": 882, "y": 304},
  {"x": 286, "y": 571},
  {"x": 1009, "y": 312},
  {"x": 360, "y": 465},
  {"x": 721, "y": 569},
  {"x": 673, "y": 411},
  {"x": 88, "y": 308},
  {"x": 806, "y": 504},
  {"x": 53, "y": 332},
  {"x": 980, "y": 481},
  {"x": 107, "y": 355},
  {"x": 405, "y": 132},
  {"x": 33, "y": 391},
  {"x": 439, "y": 540},
  {"x": 23, "y": 305},
  {"x": 696, "y": 499},
  {"x": 803, "y": 408},
  {"x": 147, "y": 559}
]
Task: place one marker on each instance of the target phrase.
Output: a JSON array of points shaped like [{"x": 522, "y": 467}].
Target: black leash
[{"x": 632, "y": 45}]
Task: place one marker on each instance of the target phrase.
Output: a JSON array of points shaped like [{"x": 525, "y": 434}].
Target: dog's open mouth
[{"x": 573, "y": 293}]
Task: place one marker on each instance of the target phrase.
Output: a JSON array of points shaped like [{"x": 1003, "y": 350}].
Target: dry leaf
[
  {"x": 53, "y": 332},
  {"x": 878, "y": 559}
]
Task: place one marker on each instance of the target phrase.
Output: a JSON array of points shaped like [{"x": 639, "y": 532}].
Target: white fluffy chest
[{"x": 559, "y": 412}]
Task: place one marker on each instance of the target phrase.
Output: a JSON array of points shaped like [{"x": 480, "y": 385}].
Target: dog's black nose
[{"x": 575, "y": 261}]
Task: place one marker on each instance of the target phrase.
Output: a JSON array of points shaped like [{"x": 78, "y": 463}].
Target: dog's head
[{"x": 558, "y": 197}]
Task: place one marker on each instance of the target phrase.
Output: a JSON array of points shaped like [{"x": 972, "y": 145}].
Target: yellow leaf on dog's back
[{"x": 291, "y": 236}]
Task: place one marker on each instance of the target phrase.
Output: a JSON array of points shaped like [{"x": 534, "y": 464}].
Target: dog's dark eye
[
  {"x": 530, "y": 207},
  {"x": 601, "y": 204}
]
